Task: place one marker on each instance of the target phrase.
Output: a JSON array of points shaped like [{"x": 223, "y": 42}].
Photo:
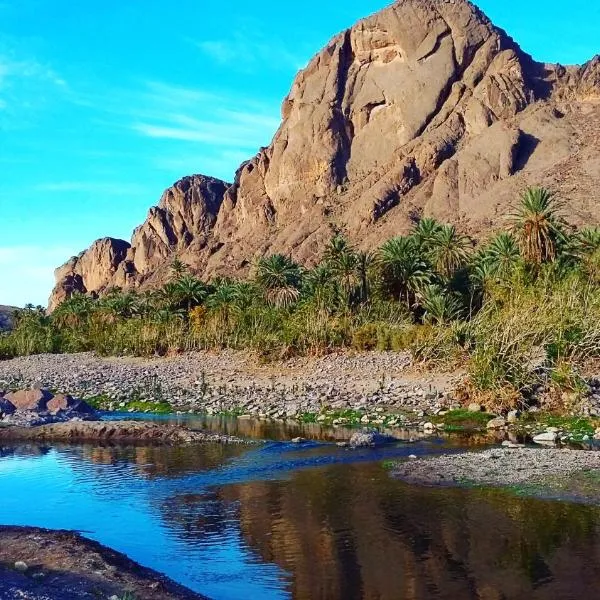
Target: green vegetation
[
  {"x": 518, "y": 309},
  {"x": 463, "y": 420}
]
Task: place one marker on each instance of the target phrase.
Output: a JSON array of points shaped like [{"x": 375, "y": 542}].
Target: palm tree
[
  {"x": 403, "y": 270},
  {"x": 178, "y": 268},
  {"x": 280, "y": 278},
  {"x": 121, "y": 304},
  {"x": 425, "y": 234},
  {"x": 503, "y": 254},
  {"x": 538, "y": 225},
  {"x": 74, "y": 311},
  {"x": 190, "y": 291},
  {"x": 343, "y": 262},
  {"x": 449, "y": 251},
  {"x": 320, "y": 287},
  {"x": 441, "y": 306},
  {"x": 364, "y": 265}
]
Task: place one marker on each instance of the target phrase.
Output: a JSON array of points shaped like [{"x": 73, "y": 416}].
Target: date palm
[
  {"x": 178, "y": 268},
  {"x": 190, "y": 291},
  {"x": 344, "y": 263},
  {"x": 441, "y": 306},
  {"x": 503, "y": 254},
  {"x": 74, "y": 310},
  {"x": 321, "y": 288},
  {"x": 538, "y": 226},
  {"x": 425, "y": 233},
  {"x": 280, "y": 278},
  {"x": 403, "y": 270},
  {"x": 449, "y": 250}
]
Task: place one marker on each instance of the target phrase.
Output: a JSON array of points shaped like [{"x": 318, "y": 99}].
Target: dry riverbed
[
  {"x": 326, "y": 389},
  {"x": 37, "y": 564}
]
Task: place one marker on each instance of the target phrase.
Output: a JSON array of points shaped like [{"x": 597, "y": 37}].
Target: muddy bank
[
  {"x": 38, "y": 564},
  {"x": 118, "y": 432},
  {"x": 549, "y": 469}
]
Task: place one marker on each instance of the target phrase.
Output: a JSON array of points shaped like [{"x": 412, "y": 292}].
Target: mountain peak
[{"x": 424, "y": 108}]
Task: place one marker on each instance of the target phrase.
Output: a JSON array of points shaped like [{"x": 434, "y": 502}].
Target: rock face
[
  {"x": 423, "y": 109},
  {"x": 6, "y": 317}
]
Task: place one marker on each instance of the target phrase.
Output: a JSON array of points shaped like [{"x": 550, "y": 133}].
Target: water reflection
[{"x": 309, "y": 523}]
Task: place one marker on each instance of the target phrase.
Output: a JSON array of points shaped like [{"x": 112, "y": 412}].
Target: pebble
[{"x": 232, "y": 382}]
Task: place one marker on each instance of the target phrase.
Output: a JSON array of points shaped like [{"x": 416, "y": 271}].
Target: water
[{"x": 311, "y": 522}]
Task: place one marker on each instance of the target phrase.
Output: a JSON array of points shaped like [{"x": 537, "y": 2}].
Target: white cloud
[
  {"x": 248, "y": 50},
  {"x": 91, "y": 187},
  {"x": 30, "y": 271},
  {"x": 26, "y": 85},
  {"x": 225, "y": 128}
]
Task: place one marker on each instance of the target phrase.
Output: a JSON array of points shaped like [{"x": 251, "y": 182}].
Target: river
[{"x": 310, "y": 521}]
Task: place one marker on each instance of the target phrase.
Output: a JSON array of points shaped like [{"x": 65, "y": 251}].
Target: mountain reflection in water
[{"x": 282, "y": 521}]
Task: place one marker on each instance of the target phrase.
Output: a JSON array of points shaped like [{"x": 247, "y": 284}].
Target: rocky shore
[
  {"x": 384, "y": 386},
  {"x": 37, "y": 564},
  {"x": 549, "y": 469},
  {"x": 116, "y": 432}
]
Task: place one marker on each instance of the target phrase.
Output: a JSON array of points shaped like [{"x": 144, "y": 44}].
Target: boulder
[
  {"x": 474, "y": 407},
  {"x": 513, "y": 416},
  {"x": 548, "y": 437},
  {"x": 65, "y": 403},
  {"x": 497, "y": 423},
  {"x": 35, "y": 400},
  {"x": 370, "y": 438},
  {"x": 6, "y": 407}
]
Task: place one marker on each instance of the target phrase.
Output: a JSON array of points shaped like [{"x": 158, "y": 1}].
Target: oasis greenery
[{"x": 521, "y": 308}]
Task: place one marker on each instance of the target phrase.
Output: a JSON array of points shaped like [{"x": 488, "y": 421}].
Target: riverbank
[
  {"x": 545, "y": 471},
  {"x": 38, "y": 564},
  {"x": 117, "y": 432},
  {"x": 236, "y": 383}
]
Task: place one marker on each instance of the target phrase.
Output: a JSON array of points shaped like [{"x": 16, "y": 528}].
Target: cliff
[{"x": 423, "y": 109}]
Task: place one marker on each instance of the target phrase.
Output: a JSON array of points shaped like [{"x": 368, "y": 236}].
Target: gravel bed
[
  {"x": 234, "y": 381},
  {"x": 498, "y": 466}
]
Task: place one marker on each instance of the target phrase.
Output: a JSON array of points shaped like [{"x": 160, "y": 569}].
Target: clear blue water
[{"x": 316, "y": 521}]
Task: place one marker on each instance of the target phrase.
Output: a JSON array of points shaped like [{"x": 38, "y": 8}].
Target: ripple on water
[{"x": 311, "y": 521}]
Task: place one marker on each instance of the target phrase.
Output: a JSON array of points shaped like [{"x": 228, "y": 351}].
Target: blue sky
[{"x": 104, "y": 103}]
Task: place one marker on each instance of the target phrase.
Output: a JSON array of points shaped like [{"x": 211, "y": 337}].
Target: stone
[
  {"x": 21, "y": 566},
  {"x": 512, "y": 445},
  {"x": 513, "y": 416},
  {"x": 474, "y": 407},
  {"x": 35, "y": 400},
  {"x": 496, "y": 423},
  {"x": 548, "y": 437},
  {"x": 424, "y": 107},
  {"x": 6, "y": 407},
  {"x": 298, "y": 440},
  {"x": 369, "y": 438}
]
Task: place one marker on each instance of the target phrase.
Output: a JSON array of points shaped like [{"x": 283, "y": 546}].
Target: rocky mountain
[
  {"x": 6, "y": 317},
  {"x": 424, "y": 108}
]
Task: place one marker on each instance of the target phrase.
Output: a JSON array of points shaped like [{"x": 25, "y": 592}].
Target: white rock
[
  {"x": 549, "y": 437},
  {"x": 497, "y": 423},
  {"x": 21, "y": 566}
]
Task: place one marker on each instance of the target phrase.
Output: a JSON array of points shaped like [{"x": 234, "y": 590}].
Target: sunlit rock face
[{"x": 424, "y": 108}]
